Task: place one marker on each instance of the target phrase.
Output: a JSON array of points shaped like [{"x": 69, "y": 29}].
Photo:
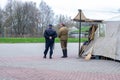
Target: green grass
[
  {"x": 35, "y": 40},
  {"x": 21, "y": 40}
]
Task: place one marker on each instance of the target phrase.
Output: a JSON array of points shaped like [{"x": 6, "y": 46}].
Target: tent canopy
[{"x": 84, "y": 19}]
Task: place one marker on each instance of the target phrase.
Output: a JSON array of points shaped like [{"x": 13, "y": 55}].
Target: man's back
[
  {"x": 63, "y": 33},
  {"x": 49, "y": 32}
]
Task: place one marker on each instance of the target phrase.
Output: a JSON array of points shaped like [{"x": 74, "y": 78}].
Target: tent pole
[{"x": 79, "y": 31}]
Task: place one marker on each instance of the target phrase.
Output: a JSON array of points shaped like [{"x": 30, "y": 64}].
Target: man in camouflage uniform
[{"x": 63, "y": 35}]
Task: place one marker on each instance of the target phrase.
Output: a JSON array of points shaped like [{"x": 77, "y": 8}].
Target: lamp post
[{"x": 79, "y": 31}]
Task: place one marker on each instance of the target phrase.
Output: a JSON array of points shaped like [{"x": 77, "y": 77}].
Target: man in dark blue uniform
[{"x": 50, "y": 35}]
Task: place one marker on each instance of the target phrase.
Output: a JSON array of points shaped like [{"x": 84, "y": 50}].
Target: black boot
[
  {"x": 50, "y": 55},
  {"x": 63, "y": 53},
  {"x": 44, "y": 55}
]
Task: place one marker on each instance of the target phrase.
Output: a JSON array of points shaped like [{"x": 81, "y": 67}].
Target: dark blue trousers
[{"x": 48, "y": 45}]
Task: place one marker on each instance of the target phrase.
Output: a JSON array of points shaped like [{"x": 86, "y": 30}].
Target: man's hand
[{"x": 50, "y": 37}]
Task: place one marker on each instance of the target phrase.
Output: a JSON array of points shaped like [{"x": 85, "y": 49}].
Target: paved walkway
[{"x": 25, "y": 62}]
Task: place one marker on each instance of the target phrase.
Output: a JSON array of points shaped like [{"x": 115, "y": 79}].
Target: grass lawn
[{"x": 35, "y": 40}]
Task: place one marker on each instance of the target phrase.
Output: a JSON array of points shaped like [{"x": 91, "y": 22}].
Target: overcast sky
[{"x": 96, "y": 9}]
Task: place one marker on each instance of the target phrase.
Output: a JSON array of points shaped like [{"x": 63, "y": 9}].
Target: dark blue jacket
[{"x": 50, "y": 32}]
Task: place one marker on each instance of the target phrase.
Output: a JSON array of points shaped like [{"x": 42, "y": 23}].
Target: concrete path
[{"x": 25, "y": 62}]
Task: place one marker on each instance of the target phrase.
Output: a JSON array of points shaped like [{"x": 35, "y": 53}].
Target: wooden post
[{"x": 79, "y": 32}]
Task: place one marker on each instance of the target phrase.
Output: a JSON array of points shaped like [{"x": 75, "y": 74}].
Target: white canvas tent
[
  {"x": 108, "y": 45},
  {"x": 106, "y": 41}
]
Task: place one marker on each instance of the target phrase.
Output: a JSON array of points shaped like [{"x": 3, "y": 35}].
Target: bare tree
[
  {"x": 64, "y": 19},
  {"x": 22, "y": 18},
  {"x": 1, "y": 21},
  {"x": 7, "y": 17},
  {"x": 46, "y": 15},
  {"x": 30, "y": 18}
]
